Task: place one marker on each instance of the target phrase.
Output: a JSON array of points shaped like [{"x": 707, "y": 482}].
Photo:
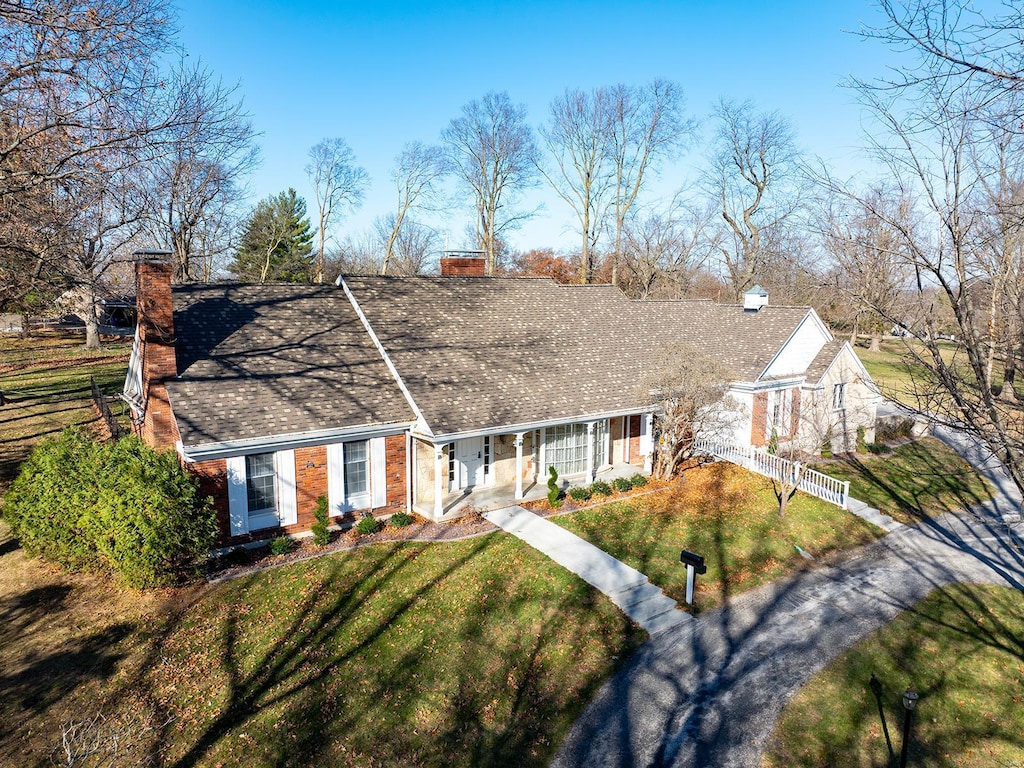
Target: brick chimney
[
  {"x": 156, "y": 345},
  {"x": 463, "y": 264}
]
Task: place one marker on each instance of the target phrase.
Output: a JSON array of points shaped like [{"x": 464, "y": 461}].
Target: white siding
[{"x": 801, "y": 349}]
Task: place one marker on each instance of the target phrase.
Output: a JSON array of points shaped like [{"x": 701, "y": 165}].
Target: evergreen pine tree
[{"x": 277, "y": 243}]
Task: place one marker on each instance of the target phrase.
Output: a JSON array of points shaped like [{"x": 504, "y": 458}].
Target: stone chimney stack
[
  {"x": 463, "y": 264},
  {"x": 156, "y": 345}
]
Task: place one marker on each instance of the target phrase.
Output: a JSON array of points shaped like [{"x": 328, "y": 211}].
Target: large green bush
[{"x": 121, "y": 508}]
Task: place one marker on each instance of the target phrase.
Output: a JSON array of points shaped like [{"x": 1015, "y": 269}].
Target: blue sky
[{"x": 381, "y": 74}]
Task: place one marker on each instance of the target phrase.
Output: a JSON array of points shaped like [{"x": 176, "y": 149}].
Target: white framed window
[
  {"x": 356, "y": 475},
  {"x": 839, "y": 396},
  {"x": 566, "y": 448},
  {"x": 261, "y": 491},
  {"x": 260, "y": 483},
  {"x": 780, "y": 413}
]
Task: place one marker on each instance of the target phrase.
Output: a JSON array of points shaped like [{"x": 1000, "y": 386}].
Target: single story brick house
[{"x": 431, "y": 393}]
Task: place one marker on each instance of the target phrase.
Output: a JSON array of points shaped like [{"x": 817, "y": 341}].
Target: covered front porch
[{"x": 492, "y": 470}]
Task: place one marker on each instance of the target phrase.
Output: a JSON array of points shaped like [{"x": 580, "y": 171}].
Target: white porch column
[
  {"x": 440, "y": 473},
  {"x": 519, "y": 464},
  {"x": 649, "y": 458},
  {"x": 590, "y": 451},
  {"x": 542, "y": 470}
]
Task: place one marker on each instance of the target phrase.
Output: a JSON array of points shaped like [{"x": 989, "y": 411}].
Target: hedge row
[{"x": 120, "y": 508}]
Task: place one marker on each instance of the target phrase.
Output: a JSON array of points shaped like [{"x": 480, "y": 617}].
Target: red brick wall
[
  {"x": 759, "y": 420},
  {"x": 156, "y": 337},
  {"x": 634, "y": 440},
  {"x": 463, "y": 267},
  {"x": 310, "y": 483}
]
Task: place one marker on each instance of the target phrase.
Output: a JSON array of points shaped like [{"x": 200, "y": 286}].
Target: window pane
[
  {"x": 357, "y": 470},
  {"x": 259, "y": 482}
]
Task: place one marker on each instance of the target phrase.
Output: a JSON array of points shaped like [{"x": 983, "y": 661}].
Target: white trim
[
  {"x": 421, "y": 420},
  {"x": 813, "y": 316},
  {"x": 287, "y": 506},
  {"x": 275, "y": 443},
  {"x": 532, "y": 425},
  {"x": 335, "y": 479},
  {"x": 519, "y": 464},
  {"x": 238, "y": 500},
  {"x": 378, "y": 472}
]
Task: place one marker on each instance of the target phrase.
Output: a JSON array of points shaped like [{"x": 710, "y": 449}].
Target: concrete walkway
[
  {"x": 625, "y": 586},
  {"x": 710, "y": 693}
]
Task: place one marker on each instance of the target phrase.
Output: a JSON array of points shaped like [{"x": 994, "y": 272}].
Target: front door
[{"x": 469, "y": 456}]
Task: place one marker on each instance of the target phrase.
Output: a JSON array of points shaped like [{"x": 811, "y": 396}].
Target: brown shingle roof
[
  {"x": 478, "y": 353},
  {"x": 257, "y": 361}
]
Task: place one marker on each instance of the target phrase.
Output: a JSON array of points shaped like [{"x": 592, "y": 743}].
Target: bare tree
[
  {"x": 930, "y": 133},
  {"x": 418, "y": 168},
  {"x": 337, "y": 183},
  {"x": 196, "y": 177},
  {"x": 689, "y": 389},
  {"x": 754, "y": 161},
  {"x": 81, "y": 93},
  {"x": 490, "y": 150},
  {"x": 647, "y": 126},
  {"x": 579, "y": 141},
  {"x": 664, "y": 251},
  {"x": 409, "y": 248},
  {"x": 874, "y": 268}
]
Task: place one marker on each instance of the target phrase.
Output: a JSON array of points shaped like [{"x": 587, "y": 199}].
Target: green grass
[
  {"x": 961, "y": 649},
  {"x": 917, "y": 480},
  {"x": 729, "y": 516},
  {"x": 45, "y": 380},
  {"x": 479, "y": 652}
]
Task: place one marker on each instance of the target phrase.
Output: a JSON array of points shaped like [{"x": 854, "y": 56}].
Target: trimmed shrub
[
  {"x": 554, "y": 493},
  {"x": 826, "y": 450},
  {"x": 894, "y": 429},
  {"x": 622, "y": 484},
  {"x": 321, "y": 536},
  {"x": 281, "y": 545},
  {"x": 878, "y": 448},
  {"x": 579, "y": 493},
  {"x": 600, "y": 488},
  {"x": 367, "y": 525},
  {"x": 862, "y": 445},
  {"x": 638, "y": 480},
  {"x": 120, "y": 508},
  {"x": 401, "y": 519}
]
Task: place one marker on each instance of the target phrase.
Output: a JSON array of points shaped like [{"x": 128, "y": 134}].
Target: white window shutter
[
  {"x": 378, "y": 472},
  {"x": 646, "y": 441},
  {"x": 335, "y": 479},
  {"x": 238, "y": 501},
  {"x": 287, "y": 509}
]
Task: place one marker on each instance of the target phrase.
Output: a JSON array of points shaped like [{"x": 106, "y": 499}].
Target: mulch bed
[{"x": 241, "y": 562}]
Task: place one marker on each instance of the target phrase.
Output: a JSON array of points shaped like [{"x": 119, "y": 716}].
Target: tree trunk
[
  {"x": 1009, "y": 375},
  {"x": 876, "y": 341}
]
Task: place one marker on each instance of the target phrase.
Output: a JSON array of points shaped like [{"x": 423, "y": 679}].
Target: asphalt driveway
[{"x": 710, "y": 693}]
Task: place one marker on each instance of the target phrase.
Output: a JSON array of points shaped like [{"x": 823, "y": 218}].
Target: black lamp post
[{"x": 909, "y": 702}]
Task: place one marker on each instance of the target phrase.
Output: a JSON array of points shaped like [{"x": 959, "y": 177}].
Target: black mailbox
[{"x": 691, "y": 558}]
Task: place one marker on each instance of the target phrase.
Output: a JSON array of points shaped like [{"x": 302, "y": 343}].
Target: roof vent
[{"x": 755, "y": 298}]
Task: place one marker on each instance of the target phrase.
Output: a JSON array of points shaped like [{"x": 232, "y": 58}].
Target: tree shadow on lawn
[
  {"x": 293, "y": 699},
  {"x": 709, "y": 695},
  {"x": 906, "y": 496},
  {"x": 45, "y": 678}
]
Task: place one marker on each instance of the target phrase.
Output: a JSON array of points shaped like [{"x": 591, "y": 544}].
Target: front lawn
[
  {"x": 729, "y": 516},
  {"x": 961, "y": 649},
  {"x": 479, "y": 652},
  {"x": 917, "y": 480}
]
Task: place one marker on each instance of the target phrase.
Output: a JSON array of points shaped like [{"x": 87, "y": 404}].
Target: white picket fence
[{"x": 763, "y": 463}]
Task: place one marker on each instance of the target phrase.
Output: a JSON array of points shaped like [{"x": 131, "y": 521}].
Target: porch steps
[
  {"x": 871, "y": 515},
  {"x": 625, "y": 586}
]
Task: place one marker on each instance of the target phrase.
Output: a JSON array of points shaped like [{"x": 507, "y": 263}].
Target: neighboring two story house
[{"x": 429, "y": 393}]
